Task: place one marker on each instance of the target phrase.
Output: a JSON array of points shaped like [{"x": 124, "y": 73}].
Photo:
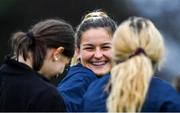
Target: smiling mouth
[{"x": 99, "y": 63}]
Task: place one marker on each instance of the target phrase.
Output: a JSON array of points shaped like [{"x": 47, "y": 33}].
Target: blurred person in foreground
[{"x": 138, "y": 52}]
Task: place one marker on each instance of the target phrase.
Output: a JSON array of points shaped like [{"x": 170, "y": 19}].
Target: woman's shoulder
[
  {"x": 96, "y": 95},
  {"x": 161, "y": 88},
  {"x": 99, "y": 84},
  {"x": 41, "y": 83},
  {"x": 161, "y": 97},
  {"x": 159, "y": 84},
  {"x": 79, "y": 68},
  {"x": 77, "y": 77},
  {"x": 80, "y": 73}
]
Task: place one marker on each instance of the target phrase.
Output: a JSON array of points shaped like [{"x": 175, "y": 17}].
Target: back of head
[
  {"x": 50, "y": 33},
  {"x": 138, "y": 49},
  {"x": 135, "y": 33}
]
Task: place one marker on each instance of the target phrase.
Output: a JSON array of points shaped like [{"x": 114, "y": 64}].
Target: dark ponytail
[
  {"x": 21, "y": 44},
  {"x": 51, "y": 33}
]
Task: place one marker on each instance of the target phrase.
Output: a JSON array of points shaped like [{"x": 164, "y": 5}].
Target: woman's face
[{"x": 95, "y": 50}]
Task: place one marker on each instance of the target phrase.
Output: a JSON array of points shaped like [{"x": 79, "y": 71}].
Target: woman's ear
[
  {"x": 76, "y": 57},
  {"x": 77, "y": 53},
  {"x": 57, "y": 53}
]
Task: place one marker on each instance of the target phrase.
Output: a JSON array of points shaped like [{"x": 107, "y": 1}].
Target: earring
[
  {"x": 57, "y": 75},
  {"x": 56, "y": 59}
]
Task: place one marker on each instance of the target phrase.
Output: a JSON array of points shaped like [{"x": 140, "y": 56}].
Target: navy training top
[
  {"x": 161, "y": 97},
  {"x": 94, "y": 99},
  {"x": 74, "y": 85}
]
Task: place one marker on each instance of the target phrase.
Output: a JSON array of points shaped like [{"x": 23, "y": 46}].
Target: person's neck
[{"x": 27, "y": 62}]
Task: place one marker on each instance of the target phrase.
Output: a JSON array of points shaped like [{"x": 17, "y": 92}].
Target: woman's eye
[
  {"x": 88, "y": 48},
  {"x": 106, "y": 47}
]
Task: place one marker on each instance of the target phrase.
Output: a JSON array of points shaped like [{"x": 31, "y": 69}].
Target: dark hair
[
  {"x": 50, "y": 33},
  {"x": 94, "y": 19}
]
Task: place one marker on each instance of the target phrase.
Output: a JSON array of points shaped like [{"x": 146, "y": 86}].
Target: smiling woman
[{"x": 93, "y": 51}]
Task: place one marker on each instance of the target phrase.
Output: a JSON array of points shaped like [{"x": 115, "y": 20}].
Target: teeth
[{"x": 98, "y": 63}]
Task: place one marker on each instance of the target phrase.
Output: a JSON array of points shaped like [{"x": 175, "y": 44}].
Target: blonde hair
[
  {"x": 94, "y": 15},
  {"x": 130, "y": 77}
]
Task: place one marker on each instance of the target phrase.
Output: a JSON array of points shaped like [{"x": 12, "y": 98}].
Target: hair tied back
[
  {"x": 97, "y": 14},
  {"x": 137, "y": 52},
  {"x": 30, "y": 35}
]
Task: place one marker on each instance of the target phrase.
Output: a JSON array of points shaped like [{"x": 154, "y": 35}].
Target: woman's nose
[{"x": 98, "y": 53}]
